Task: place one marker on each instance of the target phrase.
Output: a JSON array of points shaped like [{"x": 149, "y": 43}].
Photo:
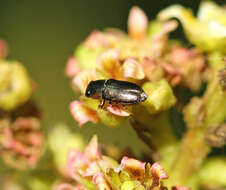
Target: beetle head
[{"x": 94, "y": 89}]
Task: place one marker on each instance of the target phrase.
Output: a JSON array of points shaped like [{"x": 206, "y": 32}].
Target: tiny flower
[
  {"x": 109, "y": 63},
  {"x": 82, "y": 113},
  {"x": 77, "y": 163},
  {"x": 137, "y": 23},
  {"x": 132, "y": 69},
  {"x": 15, "y": 85},
  {"x": 22, "y": 142},
  {"x": 187, "y": 63},
  {"x": 135, "y": 167},
  {"x": 158, "y": 171}
]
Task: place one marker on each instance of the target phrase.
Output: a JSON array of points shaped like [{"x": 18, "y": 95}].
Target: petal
[
  {"x": 118, "y": 110},
  {"x": 101, "y": 182},
  {"x": 132, "y": 69},
  {"x": 72, "y": 67},
  {"x": 179, "y": 187},
  {"x": 109, "y": 63},
  {"x": 135, "y": 167},
  {"x": 92, "y": 150},
  {"x": 137, "y": 23},
  {"x": 82, "y": 79},
  {"x": 77, "y": 163},
  {"x": 158, "y": 171},
  {"x": 82, "y": 113}
]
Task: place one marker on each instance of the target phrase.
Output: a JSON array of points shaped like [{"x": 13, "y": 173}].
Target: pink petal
[
  {"x": 82, "y": 79},
  {"x": 178, "y": 187},
  {"x": 132, "y": 69},
  {"x": 158, "y": 171},
  {"x": 77, "y": 162},
  {"x": 118, "y": 110},
  {"x": 101, "y": 182},
  {"x": 92, "y": 150},
  {"x": 137, "y": 23},
  {"x": 72, "y": 67},
  {"x": 82, "y": 113}
]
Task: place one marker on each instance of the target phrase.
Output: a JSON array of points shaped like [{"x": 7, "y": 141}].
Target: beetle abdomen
[{"x": 121, "y": 96}]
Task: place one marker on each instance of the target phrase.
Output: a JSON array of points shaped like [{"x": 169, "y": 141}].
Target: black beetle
[{"x": 122, "y": 92}]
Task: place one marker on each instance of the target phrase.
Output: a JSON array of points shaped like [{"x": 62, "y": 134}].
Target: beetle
[{"x": 117, "y": 91}]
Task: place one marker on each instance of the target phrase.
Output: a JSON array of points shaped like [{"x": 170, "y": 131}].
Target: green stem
[
  {"x": 199, "y": 114},
  {"x": 156, "y": 132}
]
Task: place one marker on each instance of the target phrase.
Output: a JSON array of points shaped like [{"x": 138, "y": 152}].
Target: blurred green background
[{"x": 43, "y": 34}]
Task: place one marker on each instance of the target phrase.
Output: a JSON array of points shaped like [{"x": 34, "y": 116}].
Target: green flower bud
[
  {"x": 15, "y": 85},
  {"x": 160, "y": 96}
]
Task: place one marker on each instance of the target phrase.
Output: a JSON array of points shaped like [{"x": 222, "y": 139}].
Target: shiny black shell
[{"x": 123, "y": 92}]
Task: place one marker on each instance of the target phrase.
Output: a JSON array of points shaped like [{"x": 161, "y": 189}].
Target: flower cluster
[
  {"x": 92, "y": 170},
  {"x": 21, "y": 140},
  {"x": 145, "y": 56}
]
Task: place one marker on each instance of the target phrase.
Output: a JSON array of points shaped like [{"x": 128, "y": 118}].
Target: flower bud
[{"x": 160, "y": 96}]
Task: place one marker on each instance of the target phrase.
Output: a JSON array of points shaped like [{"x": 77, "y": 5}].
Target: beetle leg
[{"x": 102, "y": 103}]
